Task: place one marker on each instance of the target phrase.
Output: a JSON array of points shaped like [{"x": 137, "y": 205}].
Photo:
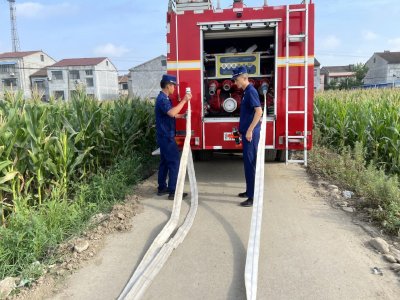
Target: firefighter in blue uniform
[
  {"x": 249, "y": 128},
  {"x": 165, "y": 124}
]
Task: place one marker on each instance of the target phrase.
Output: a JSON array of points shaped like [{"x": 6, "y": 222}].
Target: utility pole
[{"x": 14, "y": 29}]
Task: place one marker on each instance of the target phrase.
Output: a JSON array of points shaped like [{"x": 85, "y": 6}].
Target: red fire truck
[{"x": 275, "y": 43}]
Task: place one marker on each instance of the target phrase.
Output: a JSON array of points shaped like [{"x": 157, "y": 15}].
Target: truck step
[
  {"x": 297, "y": 38},
  {"x": 296, "y": 87},
  {"x": 297, "y": 9},
  {"x": 296, "y": 112}
]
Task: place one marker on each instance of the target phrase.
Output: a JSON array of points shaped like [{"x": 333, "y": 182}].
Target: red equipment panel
[{"x": 216, "y": 135}]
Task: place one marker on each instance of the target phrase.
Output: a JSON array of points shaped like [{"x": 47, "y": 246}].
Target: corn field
[
  {"x": 44, "y": 146},
  {"x": 367, "y": 116}
]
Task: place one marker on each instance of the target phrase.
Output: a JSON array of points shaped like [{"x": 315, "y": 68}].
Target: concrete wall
[
  {"x": 378, "y": 70},
  {"x": 130, "y": 88},
  {"x": 24, "y": 68},
  {"x": 123, "y": 92},
  {"x": 42, "y": 89},
  {"x": 317, "y": 78},
  {"x": 326, "y": 75},
  {"x": 146, "y": 78},
  {"x": 393, "y": 69},
  {"x": 18, "y": 75},
  {"x": 105, "y": 81},
  {"x": 322, "y": 81},
  {"x": 65, "y": 84}
]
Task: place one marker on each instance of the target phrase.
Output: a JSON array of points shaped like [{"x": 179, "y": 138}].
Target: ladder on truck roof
[
  {"x": 182, "y": 5},
  {"x": 292, "y": 39}
]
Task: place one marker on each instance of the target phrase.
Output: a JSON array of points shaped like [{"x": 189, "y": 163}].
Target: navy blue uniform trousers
[
  {"x": 250, "y": 160},
  {"x": 169, "y": 164}
]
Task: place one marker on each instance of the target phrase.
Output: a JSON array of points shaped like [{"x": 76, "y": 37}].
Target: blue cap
[
  {"x": 170, "y": 78},
  {"x": 238, "y": 71}
]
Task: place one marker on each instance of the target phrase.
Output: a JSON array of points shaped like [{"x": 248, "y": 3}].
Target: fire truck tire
[
  {"x": 270, "y": 155},
  {"x": 205, "y": 155},
  {"x": 281, "y": 155}
]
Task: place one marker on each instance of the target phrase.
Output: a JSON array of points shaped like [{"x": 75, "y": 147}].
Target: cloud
[
  {"x": 395, "y": 44},
  {"x": 368, "y": 35},
  {"x": 37, "y": 10},
  {"x": 331, "y": 42},
  {"x": 111, "y": 50}
]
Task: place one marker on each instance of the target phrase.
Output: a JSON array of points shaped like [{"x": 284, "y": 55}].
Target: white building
[
  {"x": 98, "y": 74},
  {"x": 317, "y": 75},
  {"x": 17, "y": 67},
  {"x": 145, "y": 78},
  {"x": 338, "y": 73},
  {"x": 384, "y": 67},
  {"x": 40, "y": 83},
  {"x": 123, "y": 85}
]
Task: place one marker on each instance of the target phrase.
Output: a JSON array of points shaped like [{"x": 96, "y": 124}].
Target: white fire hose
[
  {"x": 160, "y": 250},
  {"x": 253, "y": 246}
]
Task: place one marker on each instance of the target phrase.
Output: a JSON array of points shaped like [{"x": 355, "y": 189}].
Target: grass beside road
[
  {"x": 61, "y": 163},
  {"x": 357, "y": 143}
]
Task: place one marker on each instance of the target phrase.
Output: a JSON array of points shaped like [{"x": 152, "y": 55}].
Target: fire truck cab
[{"x": 275, "y": 43}]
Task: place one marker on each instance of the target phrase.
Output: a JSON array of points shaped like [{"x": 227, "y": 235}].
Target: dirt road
[{"x": 309, "y": 250}]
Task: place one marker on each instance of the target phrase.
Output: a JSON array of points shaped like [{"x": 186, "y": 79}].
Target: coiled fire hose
[
  {"x": 159, "y": 251},
  {"x": 253, "y": 246}
]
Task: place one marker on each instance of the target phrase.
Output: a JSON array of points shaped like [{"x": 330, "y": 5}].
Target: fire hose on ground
[{"x": 160, "y": 249}]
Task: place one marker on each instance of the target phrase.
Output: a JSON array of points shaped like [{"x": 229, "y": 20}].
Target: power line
[{"x": 117, "y": 70}]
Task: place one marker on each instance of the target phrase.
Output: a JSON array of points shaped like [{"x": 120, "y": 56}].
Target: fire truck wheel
[
  {"x": 281, "y": 155},
  {"x": 270, "y": 155},
  {"x": 205, "y": 155}
]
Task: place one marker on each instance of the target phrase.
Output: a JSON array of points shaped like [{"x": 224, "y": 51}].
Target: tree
[
  {"x": 333, "y": 85},
  {"x": 360, "y": 70},
  {"x": 347, "y": 84}
]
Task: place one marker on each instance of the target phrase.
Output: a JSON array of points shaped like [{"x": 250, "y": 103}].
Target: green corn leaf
[{"x": 9, "y": 176}]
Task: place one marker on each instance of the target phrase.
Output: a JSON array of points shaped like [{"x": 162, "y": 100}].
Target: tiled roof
[
  {"x": 40, "y": 73},
  {"x": 123, "y": 79},
  {"x": 17, "y": 54},
  {"x": 338, "y": 69},
  {"x": 71, "y": 62},
  {"x": 390, "y": 57}
]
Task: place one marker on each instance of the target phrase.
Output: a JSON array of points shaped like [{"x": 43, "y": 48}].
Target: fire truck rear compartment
[{"x": 227, "y": 49}]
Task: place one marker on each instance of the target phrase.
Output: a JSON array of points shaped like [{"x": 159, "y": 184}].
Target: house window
[
  {"x": 7, "y": 68},
  {"x": 125, "y": 86},
  {"x": 107, "y": 63},
  {"x": 89, "y": 82},
  {"x": 59, "y": 94},
  {"x": 39, "y": 85},
  {"x": 57, "y": 75},
  {"x": 74, "y": 75},
  {"x": 42, "y": 57},
  {"x": 374, "y": 59},
  {"x": 10, "y": 82},
  {"x": 89, "y": 72},
  {"x": 315, "y": 72},
  {"x": 164, "y": 63}
]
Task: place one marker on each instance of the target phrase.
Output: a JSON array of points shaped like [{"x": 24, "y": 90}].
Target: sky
[{"x": 132, "y": 32}]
